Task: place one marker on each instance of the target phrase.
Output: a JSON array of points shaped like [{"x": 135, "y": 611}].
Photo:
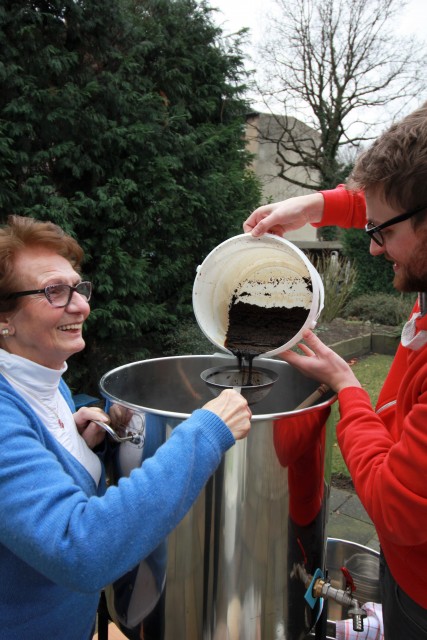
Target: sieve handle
[{"x": 238, "y": 389}]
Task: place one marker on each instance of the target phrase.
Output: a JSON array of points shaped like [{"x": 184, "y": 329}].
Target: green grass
[{"x": 371, "y": 371}]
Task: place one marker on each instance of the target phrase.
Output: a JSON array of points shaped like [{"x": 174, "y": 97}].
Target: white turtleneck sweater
[{"x": 38, "y": 385}]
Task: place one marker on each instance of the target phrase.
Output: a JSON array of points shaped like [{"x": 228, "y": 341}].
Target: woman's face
[{"x": 37, "y": 331}]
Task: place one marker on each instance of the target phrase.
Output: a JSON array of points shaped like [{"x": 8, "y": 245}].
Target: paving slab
[{"x": 348, "y": 519}]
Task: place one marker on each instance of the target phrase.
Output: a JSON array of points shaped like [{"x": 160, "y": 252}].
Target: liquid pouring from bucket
[{"x": 255, "y": 296}]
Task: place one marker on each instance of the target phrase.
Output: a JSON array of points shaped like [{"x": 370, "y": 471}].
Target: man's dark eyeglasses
[
  {"x": 58, "y": 295},
  {"x": 375, "y": 232}
]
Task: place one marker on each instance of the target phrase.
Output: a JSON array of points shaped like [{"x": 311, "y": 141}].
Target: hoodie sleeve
[{"x": 343, "y": 208}]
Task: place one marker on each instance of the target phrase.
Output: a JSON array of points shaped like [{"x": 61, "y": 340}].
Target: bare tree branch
[{"x": 330, "y": 64}]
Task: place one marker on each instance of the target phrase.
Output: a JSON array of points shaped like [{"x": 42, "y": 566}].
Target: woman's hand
[
  {"x": 321, "y": 363},
  {"x": 91, "y": 433},
  {"x": 120, "y": 416},
  {"x": 284, "y": 216},
  {"x": 233, "y": 409}
]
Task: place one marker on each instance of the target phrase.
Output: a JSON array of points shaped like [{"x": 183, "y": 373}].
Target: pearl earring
[{"x": 5, "y": 332}]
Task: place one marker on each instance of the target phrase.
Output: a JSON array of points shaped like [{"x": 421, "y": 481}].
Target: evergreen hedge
[
  {"x": 122, "y": 121},
  {"x": 373, "y": 273}
]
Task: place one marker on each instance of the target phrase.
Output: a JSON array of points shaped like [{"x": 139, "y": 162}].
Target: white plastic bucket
[{"x": 268, "y": 271}]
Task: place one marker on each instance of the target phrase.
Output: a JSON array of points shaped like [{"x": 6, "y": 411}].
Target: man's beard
[{"x": 413, "y": 275}]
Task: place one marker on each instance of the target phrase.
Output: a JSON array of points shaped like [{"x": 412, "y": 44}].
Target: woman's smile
[{"x": 39, "y": 331}]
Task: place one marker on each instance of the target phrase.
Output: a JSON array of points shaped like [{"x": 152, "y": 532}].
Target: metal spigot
[
  {"x": 357, "y": 613},
  {"x": 318, "y": 587},
  {"x": 323, "y": 589}
]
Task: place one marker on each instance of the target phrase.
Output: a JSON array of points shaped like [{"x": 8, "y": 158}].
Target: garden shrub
[
  {"x": 338, "y": 276},
  {"x": 380, "y": 308},
  {"x": 188, "y": 339},
  {"x": 374, "y": 273}
]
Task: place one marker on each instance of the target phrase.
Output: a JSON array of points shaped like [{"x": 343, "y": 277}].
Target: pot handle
[{"x": 133, "y": 438}]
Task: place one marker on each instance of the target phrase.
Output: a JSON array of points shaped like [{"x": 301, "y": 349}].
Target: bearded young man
[{"x": 384, "y": 448}]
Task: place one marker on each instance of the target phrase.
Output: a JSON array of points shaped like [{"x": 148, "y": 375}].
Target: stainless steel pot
[
  {"x": 363, "y": 564},
  {"x": 228, "y": 571}
]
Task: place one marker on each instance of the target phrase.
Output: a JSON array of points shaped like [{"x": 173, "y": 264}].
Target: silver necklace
[{"x": 50, "y": 409}]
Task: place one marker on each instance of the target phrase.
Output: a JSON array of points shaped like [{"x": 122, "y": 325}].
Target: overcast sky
[{"x": 236, "y": 14}]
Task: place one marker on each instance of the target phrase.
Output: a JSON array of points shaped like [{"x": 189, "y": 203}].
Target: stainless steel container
[
  {"x": 363, "y": 564},
  {"x": 229, "y": 565}
]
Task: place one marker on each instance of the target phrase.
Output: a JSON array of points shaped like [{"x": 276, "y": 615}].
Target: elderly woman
[{"x": 59, "y": 539}]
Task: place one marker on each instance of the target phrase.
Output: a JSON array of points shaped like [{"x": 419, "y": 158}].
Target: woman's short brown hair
[{"x": 22, "y": 233}]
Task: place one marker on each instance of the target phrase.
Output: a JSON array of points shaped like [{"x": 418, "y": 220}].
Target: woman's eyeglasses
[
  {"x": 58, "y": 295},
  {"x": 375, "y": 232}
]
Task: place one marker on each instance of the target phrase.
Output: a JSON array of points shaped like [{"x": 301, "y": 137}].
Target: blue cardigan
[{"x": 62, "y": 539}]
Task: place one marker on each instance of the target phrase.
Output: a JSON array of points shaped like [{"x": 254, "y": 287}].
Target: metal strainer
[{"x": 253, "y": 384}]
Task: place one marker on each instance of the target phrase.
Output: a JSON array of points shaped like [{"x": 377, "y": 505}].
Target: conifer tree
[{"x": 122, "y": 121}]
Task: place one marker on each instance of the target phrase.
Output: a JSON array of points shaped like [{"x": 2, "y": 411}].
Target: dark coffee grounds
[{"x": 253, "y": 330}]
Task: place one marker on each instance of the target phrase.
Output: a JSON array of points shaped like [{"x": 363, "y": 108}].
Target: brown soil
[
  {"x": 253, "y": 330},
  {"x": 340, "y": 481}
]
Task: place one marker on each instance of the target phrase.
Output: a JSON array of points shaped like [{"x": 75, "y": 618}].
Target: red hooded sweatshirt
[{"x": 386, "y": 449}]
